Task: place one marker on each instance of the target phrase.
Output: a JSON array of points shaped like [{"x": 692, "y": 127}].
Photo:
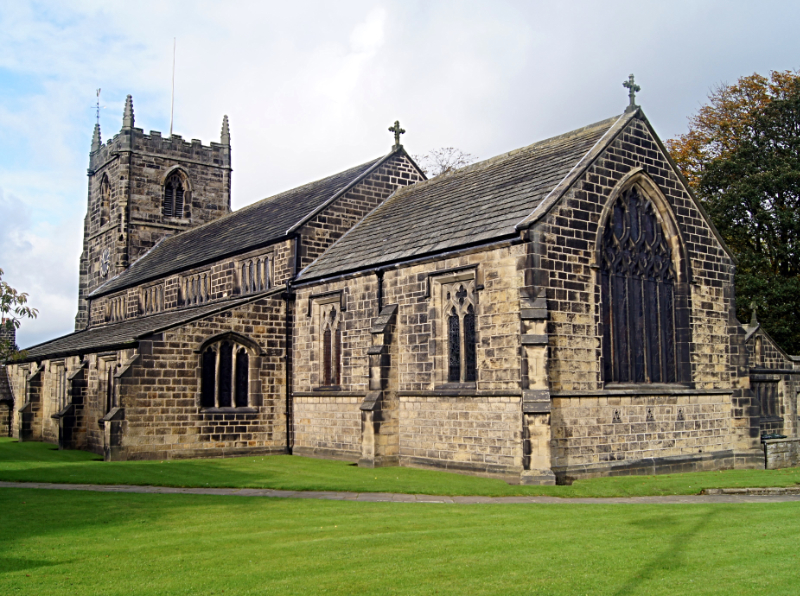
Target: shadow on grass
[{"x": 670, "y": 559}]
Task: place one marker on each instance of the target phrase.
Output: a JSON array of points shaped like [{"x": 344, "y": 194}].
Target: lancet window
[
  {"x": 254, "y": 275},
  {"x": 638, "y": 279},
  {"x": 331, "y": 346},
  {"x": 225, "y": 370},
  {"x": 459, "y": 322},
  {"x": 173, "y": 196},
  {"x": 105, "y": 200}
]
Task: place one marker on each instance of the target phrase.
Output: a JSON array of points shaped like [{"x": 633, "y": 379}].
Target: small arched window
[
  {"x": 173, "y": 196},
  {"x": 225, "y": 376},
  {"x": 638, "y": 288},
  {"x": 105, "y": 200}
]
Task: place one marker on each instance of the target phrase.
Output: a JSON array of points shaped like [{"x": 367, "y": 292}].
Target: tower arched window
[
  {"x": 225, "y": 375},
  {"x": 173, "y": 196},
  {"x": 105, "y": 200},
  {"x": 638, "y": 288}
]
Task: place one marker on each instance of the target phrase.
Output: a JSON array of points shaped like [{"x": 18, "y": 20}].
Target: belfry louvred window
[
  {"x": 459, "y": 300},
  {"x": 638, "y": 280},
  {"x": 173, "y": 196},
  {"x": 225, "y": 376}
]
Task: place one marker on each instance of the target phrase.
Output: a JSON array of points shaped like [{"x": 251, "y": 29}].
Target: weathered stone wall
[
  {"x": 474, "y": 427},
  {"x": 161, "y": 393},
  {"x": 135, "y": 166},
  {"x": 782, "y": 453},
  {"x": 6, "y": 403},
  {"x": 477, "y": 434},
  {"x": 328, "y": 226},
  {"x": 593, "y": 431},
  {"x": 567, "y": 240},
  {"x": 328, "y": 426}
]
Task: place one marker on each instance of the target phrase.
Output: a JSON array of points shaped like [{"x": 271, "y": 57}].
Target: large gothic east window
[{"x": 638, "y": 280}]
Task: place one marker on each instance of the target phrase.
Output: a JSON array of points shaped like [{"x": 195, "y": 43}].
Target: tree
[
  {"x": 13, "y": 308},
  {"x": 743, "y": 158},
  {"x": 718, "y": 127},
  {"x": 443, "y": 161}
]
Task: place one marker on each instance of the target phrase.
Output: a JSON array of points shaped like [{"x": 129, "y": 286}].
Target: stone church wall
[
  {"x": 161, "y": 397},
  {"x": 593, "y": 426},
  {"x": 476, "y": 427}
]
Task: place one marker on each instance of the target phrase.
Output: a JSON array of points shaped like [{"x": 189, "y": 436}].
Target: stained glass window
[{"x": 638, "y": 295}]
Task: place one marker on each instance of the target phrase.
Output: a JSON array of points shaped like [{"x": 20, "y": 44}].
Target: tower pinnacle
[
  {"x": 225, "y": 136},
  {"x": 127, "y": 115},
  {"x": 96, "y": 140}
]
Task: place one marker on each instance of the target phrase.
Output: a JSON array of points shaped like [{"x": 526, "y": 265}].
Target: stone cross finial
[
  {"x": 225, "y": 137},
  {"x": 753, "y": 317},
  {"x": 96, "y": 140},
  {"x": 397, "y": 132},
  {"x": 632, "y": 89},
  {"x": 127, "y": 114}
]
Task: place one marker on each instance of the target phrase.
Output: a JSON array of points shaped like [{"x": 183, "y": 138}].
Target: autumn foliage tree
[
  {"x": 742, "y": 158},
  {"x": 13, "y": 308}
]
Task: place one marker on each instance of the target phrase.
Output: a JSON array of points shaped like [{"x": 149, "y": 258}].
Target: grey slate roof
[
  {"x": 125, "y": 333},
  {"x": 250, "y": 227},
  {"x": 475, "y": 204}
]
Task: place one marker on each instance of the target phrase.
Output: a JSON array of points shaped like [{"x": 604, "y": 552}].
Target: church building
[{"x": 565, "y": 310}]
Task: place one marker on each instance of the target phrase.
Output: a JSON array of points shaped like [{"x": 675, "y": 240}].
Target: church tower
[{"x": 142, "y": 188}]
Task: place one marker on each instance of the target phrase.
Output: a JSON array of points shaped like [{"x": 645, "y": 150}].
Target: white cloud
[{"x": 311, "y": 87}]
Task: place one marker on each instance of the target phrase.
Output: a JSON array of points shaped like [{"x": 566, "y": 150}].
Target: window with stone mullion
[
  {"x": 461, "y": 337},
  {"x": 224, "y": 378},
  {"x": 637, "y": 294}
]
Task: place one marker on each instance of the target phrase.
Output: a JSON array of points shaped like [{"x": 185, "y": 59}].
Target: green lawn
[
  {"x": 76, "y": 543},
  {"x": 42, "y": 462}
]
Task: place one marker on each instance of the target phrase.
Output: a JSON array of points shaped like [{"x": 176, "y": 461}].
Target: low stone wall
[
  {"x": 475, "y": 434},
  {"x": 782, "y": 453},
  {"x": 328, "y": 426}
]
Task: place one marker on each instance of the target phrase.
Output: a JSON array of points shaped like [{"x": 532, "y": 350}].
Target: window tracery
[
  {"x": 225, "y": 375},
  {"x": 638, "y": 279},
  {"x": 172, "y": 205},
  {"x": 115, "y": 309},
  {"x": 459, "y": 308}
]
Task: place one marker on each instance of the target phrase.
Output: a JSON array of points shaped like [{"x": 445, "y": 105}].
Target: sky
[{"x": 311, "y": 88}]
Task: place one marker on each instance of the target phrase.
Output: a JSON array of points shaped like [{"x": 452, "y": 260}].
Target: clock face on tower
[{"x": 105, "y": 261}]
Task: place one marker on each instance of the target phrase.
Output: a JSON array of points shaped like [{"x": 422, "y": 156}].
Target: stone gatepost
[
  {"x": 536, "y": 403},
  {"x": 379, "y": 410}
]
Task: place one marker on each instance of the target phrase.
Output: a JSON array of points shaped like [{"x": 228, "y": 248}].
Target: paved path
[{"x": 403, "y": 498}]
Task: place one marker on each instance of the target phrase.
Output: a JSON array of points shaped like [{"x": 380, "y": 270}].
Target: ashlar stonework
[{"x": 561, "y": 311}]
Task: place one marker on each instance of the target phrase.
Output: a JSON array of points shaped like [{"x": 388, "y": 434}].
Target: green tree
[
  {"x": 13, "y": 308},
  {"x": 748, "y": 177}
]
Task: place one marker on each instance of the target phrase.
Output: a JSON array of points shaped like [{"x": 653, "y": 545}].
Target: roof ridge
[{"x": 513, "y": 152}]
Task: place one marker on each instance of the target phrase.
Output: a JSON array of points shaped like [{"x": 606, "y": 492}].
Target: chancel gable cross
[
  {"x": 632, "y": 89},
  {"x": 397, "y": 132}
]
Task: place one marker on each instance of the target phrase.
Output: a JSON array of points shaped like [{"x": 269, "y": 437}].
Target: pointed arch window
[
  {"x": 173, "y": 196},
  {"x": 331, "y": 347},
  {"x": 225, "y": 376},
  {"x": 105, "y": 200},
  {"x": 460, "y": 303},
  {"x": 638, "y": 288}
]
